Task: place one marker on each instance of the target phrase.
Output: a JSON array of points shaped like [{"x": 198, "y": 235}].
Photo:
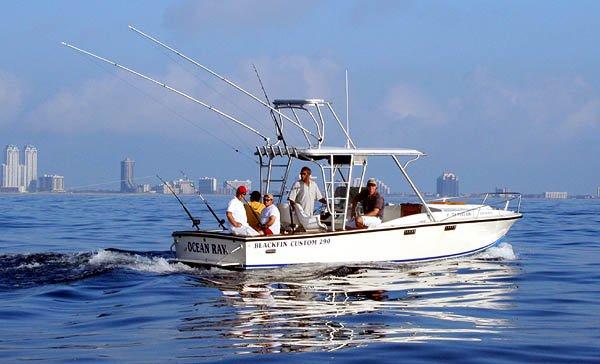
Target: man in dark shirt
[{"x": 372, "y": 204}]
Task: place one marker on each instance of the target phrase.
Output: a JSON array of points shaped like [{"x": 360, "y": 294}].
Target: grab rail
[{"x": 510, "y": 196}]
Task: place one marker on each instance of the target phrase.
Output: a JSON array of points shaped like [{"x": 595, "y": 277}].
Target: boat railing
[
  {"x": 444, "y": 199},
  {"x": 508, "y": 197}
]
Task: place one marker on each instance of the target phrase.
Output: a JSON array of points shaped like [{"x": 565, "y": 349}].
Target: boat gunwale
[{"x": 241, "y": 238}]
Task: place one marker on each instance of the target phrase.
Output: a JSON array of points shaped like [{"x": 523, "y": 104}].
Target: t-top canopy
[
  {"x": 338, "y": 151},
  {"x": 298, "y": 102},
  {"x": 345, "y": 155}
]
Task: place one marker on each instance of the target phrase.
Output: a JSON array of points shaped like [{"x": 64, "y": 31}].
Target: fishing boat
[{"x": 423, "y": 231}]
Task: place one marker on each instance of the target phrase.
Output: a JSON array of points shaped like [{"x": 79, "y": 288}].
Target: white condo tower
[
  {"x": 10, "y": 168},
  {"x": 30, "y": 160}
]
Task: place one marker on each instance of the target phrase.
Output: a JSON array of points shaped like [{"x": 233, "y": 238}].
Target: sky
[{"x": 502, "y": 93}]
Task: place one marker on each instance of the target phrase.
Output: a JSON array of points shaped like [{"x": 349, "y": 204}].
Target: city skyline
[{"x": 12, "y": 156}]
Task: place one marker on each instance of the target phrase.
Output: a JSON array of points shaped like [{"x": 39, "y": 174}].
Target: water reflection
[{"x": 323, "y": 308}]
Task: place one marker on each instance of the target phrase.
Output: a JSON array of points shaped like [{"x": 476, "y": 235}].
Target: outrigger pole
[
  {"x": 223, "y": 79},
  {"x": 211, "y": 108},
  {"x": 195, "y": 222}
]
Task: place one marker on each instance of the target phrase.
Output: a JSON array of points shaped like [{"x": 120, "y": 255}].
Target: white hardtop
[{"x": 337, "y": 151}]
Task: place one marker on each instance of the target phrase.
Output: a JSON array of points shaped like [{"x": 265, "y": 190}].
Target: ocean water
[{"x": 66, "y": 294}]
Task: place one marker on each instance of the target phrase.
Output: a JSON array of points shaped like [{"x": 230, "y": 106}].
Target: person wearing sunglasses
[
  {"x": 270, "y": 217},
  {"x": 305, "y": 192},
  {"x": 237, "y": 222}
]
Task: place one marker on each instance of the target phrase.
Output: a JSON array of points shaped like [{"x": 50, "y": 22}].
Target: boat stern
[{"x": 209, "y": 249}]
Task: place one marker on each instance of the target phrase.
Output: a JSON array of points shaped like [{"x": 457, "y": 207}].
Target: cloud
[
  {"x": 126, "y": 104},
  {"x": 406, "y": 101},
  {"x": 588, "y": 115},
  {"x": 233, "y": 16},
  {"x": 118, "y": 103},
  {"x": 11, "y": 97},
  {"x": 543, "y": 104},
  {"x": 292, "y": 76}
]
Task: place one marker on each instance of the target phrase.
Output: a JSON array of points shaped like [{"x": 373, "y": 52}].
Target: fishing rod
[
  {"x": 272, "y": 109},
  {"x": 211, "y": 108},
  {"x": 220, "y": 221},
  {"x": 279, "y": 131},
  {"x": 195, "y": 222}
]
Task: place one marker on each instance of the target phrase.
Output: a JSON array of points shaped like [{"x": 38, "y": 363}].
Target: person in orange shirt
[{"x": 253, "y": 210}]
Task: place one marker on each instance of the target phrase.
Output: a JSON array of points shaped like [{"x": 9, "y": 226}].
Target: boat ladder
[
  {"x": 334, "y": 177},
  {"x": 275, "y": 162}
]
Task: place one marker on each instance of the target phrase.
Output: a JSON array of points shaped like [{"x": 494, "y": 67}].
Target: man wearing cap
[
  {"x": 270, "y": 217},
  {"x": 305, "y": 192},
  {"x": 372, "y": 204},
  {"x": 237, "y": 222}
]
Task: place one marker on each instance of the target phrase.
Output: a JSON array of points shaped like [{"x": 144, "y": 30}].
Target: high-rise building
[
  {"x": 30, "y": 160},
  {"x": 127, "y": 184},
  {"x": 10, "y": 168},
  {"x": 598, "y": 192},
  {"x": 144, "y": 188},
  {"x": 185, "y": 187},
  {"x": 207, "y": 185},
  {"x": 229, "y": 187},
  {"x": 447, "y": 185},
  {"x": 556, "y": 195},
  {"x": 51, "y": 183},
  {"x": 164, "y": 188}
]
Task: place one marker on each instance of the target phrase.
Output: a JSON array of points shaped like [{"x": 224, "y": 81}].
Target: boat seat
[
  {"x": 309, "y": 223},
  {"x": 391, "y": 212}
]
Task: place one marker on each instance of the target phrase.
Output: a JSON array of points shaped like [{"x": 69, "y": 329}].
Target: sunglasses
[{"x": 268, "y": 199}]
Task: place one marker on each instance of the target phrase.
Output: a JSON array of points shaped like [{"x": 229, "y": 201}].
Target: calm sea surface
[{"x": 65, "y": 297}]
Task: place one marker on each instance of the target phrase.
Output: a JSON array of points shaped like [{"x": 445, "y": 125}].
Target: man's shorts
[
  {"x": 368, "y": 221},
  {"x": 244, "y": 230}
]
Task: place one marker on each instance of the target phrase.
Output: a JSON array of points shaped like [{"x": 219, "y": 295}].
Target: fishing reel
[{"x": 196, "y": 223}]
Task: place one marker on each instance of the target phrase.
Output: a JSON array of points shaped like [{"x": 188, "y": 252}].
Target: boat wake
[
  {"x": 502, "y": 251},
  {"x": 30, "y": 270}
]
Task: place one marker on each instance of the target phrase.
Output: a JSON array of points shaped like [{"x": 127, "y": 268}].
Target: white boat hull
[{"x": 410, "y": 243}]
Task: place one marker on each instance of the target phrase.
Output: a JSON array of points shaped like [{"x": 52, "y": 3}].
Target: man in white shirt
[
  {"x": 305, "y": 192},
  {"x": 237, "y": 222},
  {"x": 270, "y": 217}
]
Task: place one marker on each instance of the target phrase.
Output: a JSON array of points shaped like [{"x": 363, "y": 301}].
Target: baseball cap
[
  {"x": 242, "y": 189},
  {"x": 372, "y": 181}
]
